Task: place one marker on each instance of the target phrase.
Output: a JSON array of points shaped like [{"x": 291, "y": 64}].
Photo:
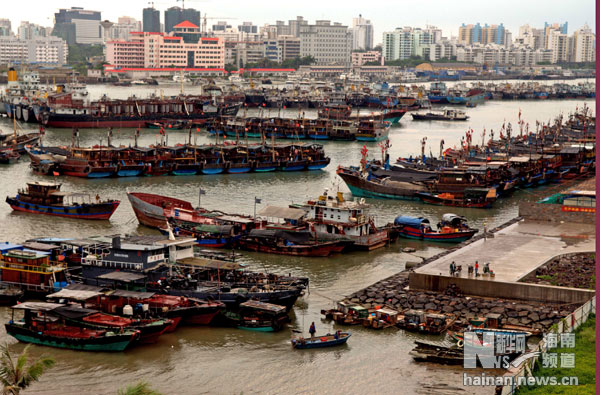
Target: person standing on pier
[{"x": 476, "y": 268}]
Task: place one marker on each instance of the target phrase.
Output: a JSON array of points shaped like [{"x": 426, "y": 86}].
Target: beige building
[
  {"x": 583, "y": 45},
  {"x": 329, "y": 44}
]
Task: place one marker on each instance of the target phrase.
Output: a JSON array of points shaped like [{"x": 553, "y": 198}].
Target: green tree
[
  {"x": 18, "y": 373},
  {"x": 230, "y": 67},
  {"x": 141, "y": 388}
]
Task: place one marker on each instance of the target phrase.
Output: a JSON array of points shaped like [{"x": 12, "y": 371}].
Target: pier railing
[{"x": 566, "y": 325}]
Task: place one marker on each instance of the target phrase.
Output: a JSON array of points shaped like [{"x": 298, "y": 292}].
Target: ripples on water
[{"x": 221, "y": 360}]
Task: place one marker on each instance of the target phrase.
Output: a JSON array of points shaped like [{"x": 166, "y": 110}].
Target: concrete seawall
[
  {"x": 501, "y": 290},
  {"x": 553, "y": 213}
]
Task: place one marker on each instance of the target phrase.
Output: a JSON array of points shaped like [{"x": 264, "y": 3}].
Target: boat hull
[
  {"x": 456, "y": 237},
  {"x": 114, "y": 343},
  {"x": 101, "y": 211}
]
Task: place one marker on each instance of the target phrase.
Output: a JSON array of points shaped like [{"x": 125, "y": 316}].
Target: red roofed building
[
  {"x": 185, "y": 48},
  {"x": 185, "y": 25}
]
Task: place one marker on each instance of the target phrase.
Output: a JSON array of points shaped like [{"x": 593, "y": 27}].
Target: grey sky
[{"x": 384, "y": 14}]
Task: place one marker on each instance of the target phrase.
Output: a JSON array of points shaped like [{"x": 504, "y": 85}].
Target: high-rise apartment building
[
  {"x": 362, "y": 34},
  {"x": 27, "y": 31},
  {"x": 488, "y": 34},
  {"x": 176, "y": 15},
  {"x": 151, "y": 20},
  {"x": 5, "y": 27},
  {"x": 584, "y": 41},
  {"x": 405, "y": 42}
]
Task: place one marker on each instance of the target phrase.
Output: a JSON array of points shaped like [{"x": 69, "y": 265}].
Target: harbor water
[{"x": 196, "y": 360}]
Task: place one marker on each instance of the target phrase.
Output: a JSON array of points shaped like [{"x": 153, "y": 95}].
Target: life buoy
[{"x": 460, "y": 343}]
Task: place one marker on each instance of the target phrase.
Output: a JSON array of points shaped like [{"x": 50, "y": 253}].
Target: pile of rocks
[
  {"x": 391, "y": 292},
  {"x": 574, "y": 270}
]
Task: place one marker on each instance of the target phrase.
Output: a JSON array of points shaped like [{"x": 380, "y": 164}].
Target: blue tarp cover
[{"x": 410, "y": 221}]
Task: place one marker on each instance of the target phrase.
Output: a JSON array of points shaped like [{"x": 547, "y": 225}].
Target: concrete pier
[{"x": 516, "y": 250}]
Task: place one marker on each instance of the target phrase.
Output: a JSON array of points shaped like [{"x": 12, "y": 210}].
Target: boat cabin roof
[
  {"x": 282, "y": 212},
  {"x": 410, "y": 221},
  {"x": 130, "y": 294},
  {"x": 37, "y": 306},
  {"x": 25, "y": 254},
  {"x": 122, "y": 276},
  {"x": 73, "y": 311},
  {"x": 44, "y": 184},
  {"x": 209, "y": 263},
  {"x": 387, "y": 311},
  {"x": 41, "y": 246},
  {"x": 255, "y": 304},
  {"x": 72, "y": 294},
  {"x": 6, "y": 246}
]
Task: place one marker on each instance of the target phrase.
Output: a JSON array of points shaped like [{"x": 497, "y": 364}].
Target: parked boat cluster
[
  {"x": 89, "y": 283},
  {"x": 180, "y": 160},
  {"x": 476, "y": 175},
  {"x": 369, "y": 128}
]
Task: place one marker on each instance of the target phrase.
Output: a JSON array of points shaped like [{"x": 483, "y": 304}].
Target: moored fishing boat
[
  {"x": 40, "y": 326},
  {"x": 452, "y": 229},
  {"x": 258, "y": 316},
  {"x": 48, "y": 199},
  {"x": 440, "y": 115},
  {"x": 297, "y": 243},
  {"x": 337, "y": 216},
  {"x": 149, "y": 329}
]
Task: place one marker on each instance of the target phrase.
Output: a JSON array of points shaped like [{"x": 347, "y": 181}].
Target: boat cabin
[
  {"x": 136, "y": 254},
  {"x": 389, "y": 316},
  {"x": 354, "y": 310},
  {"x": 31, "y": 269},
  {"x": 334, "y": 214}
]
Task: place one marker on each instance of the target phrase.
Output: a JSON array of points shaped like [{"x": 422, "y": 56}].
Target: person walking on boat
[{"x": 312, "y": 330}]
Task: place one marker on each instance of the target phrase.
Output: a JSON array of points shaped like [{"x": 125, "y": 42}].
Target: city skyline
[{"x": 468, "y": 11}]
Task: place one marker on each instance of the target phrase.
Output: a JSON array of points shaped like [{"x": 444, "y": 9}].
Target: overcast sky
[{"x": 384, "y": 14}]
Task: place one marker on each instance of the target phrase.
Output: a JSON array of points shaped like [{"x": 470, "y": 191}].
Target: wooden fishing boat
[
  {"x": 440, "y": 115},
  {"x": 149, "y": 208},
  {"x": 420, "y": 229},
  {"x": 274, "y": 241},
  {"x": 8, "y": 156},
  {"x": 258, "y": 316},
  {"x": 347, "y": 314},
  {"x": 48, "y": 199},
  {"x": 485, "y": 199},
  {"x": 437, "y": 353},
  {"x": 428, "y": 323},
  {"x": 328, "y": 340},
  {"x": 40, "y": 326},
  {"x": 149, "y": 329},
  {"x": 10, "y": 295}
]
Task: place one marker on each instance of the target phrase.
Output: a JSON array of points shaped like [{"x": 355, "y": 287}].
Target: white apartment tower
[{"x": 362, "y": 34}]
